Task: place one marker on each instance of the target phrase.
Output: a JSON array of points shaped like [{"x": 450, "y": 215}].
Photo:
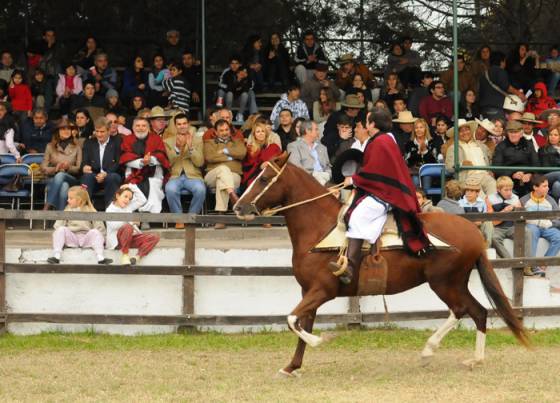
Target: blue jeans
[
  {"x": 57, "y": 189},
  {"x": 552, "y": 235},
  {"x": 195, "y": 187},
  {"x": 554, "y": 183},
  {"x": 553, "y": 80}
]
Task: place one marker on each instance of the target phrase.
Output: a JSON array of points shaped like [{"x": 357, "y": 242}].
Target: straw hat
[
  {"x": 544, "y": 115},
  {"x": 473, "y": 124},
  {"x": 472, "y": 184},
  {"x": 513, "y": 126},
  {"x": 405, "y": 117},
  {"x": 158, "y": 112},
  {"x": 346, "y": 58},
  {"x": 487, "y": 124},
  {"x": 352, "y": 101},
  {"x": 529, "y": 117}
]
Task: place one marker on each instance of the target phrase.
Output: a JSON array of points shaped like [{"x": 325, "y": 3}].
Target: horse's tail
[{"x": 498, "y": 300}]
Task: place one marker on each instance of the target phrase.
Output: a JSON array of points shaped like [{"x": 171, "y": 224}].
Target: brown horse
[{"x": 310, "y": 217}]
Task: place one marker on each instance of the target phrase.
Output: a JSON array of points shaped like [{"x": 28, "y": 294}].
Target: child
[
  {"x": 68, "y": 84},
  {"x": 126, "y": 235},
  {"x": 426, "y": 204},
  {"x": 78, "y": 234},
  {"x": 20, "y": 96},
  {"x": 450, "y": 202},
  {"x": 471, "y": 203},
  {"x": 179, "y": 89}
]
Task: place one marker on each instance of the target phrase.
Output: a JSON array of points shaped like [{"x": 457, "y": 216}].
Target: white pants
[{"x": 367, "y": 220}]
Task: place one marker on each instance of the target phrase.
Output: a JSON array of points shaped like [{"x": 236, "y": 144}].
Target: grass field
[{"x": 372, "y": 365}]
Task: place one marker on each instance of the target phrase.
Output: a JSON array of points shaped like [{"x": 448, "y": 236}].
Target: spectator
[
  {"x": 100, "y": 161},
  {"x": 440, "y": 136},
  {"x": 552, "y": 117},
  {"x": 173, "y": 47},
  {"x": 413, "y": 61},
  {"x": 135, "y": 80},
  {"x": 521, "y": 67},
  {"x": 61, "y": 165},
  {"x": 179, "y": 89},
  {"x": 350, "y": 107},
  {"x": 437, "y": 103},
  {"x": 450, "y": 201},
  {"x": 276, "y": 62},
  {"x": 253, "y": 58},
  {"x": 399, "y": 105},
  {"x": 539, "y": 200},
  {"x": 104, "y": 77},
  {"x": 88, "y": 100},
  {"x": 20, "y": 96},
  {"x": 466, "y": 77},
  {"x": 286, "y": 129},
  {"x": 186, "y": 157},
  {"x": 392, "y": 89},
  {"x": 171, "y": 129},
  {"x": 158, "y": 120},
  {"x": 7, "y": 132},
  {"x": 236, "y": 84},
  {"x": 468, "y": 106},
  {"x": 416, "y": 94},
  {"x": 36, "y": 132},
  {"x": 260, "y": 149},
  {"x": 504, "y": 200},
  {"x": 116, "y": 129},
  {"x": 549, "y": 156},
  {"x": 84, "y": 124},
  {"x": 494, "y": 86},
  {"x": 481, "y": 63},
  {"x": 405, "y": 131},
  {"x": 144, "y": 159},
  {"x": 40, "y": 89},
  {"x": 85, "y": 58},
  {"x": 471, "y": 153},
  {"x": 420, "y": 150},
  {"x": 52, "y": 53},
  {"x": 483, "y": 134},
  {"x": 529, "y": 122},
  {"x": 192, "y": 73},
  {"x": 362, "y": 136},
  {"x": 291, "y": 101},
  {"x": 516, "y": 151},
  {"x": 79, "y": 233},
  {"x": 540, "y": 102},
  {"x": 552, "y": 62},
  {"x": 312, "y": 87},
  {"x": 297, "y": 127},
  {"x": 69, "y": 83},
  {"x": 426, "y": 204},
  {"x": 309, "y": 154},
  {"x": 137, "y": 103},
  {"x": 325, "y": 106},
  {"x": 346, "y": 135},
  {"x": 113, "y": 104},
  {"x": 499, "y": 130},
  {"x": 7, "y": 66},
  {"x": 224, "y": 151},
  {"x": 125, "y": 235},
  {"x": 348, "y": 70},
  {"x": 309, "y": 56},
  {"x": 3, "y": 91},
  {"x": 157, "y": 94},
  {"x": 472, "y": 203}
]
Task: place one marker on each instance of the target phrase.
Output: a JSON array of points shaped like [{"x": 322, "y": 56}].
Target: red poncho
[
  {"x": 384, "y": 174},
  {"x": 253, "y": 161},
  {"x": 132, "y": 148}
]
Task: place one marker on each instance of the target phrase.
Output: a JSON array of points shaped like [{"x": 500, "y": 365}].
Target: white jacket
[{"x": 138, "y": 200}]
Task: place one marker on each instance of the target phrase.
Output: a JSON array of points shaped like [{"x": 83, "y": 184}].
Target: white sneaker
[{"x": 125, "y": 260}]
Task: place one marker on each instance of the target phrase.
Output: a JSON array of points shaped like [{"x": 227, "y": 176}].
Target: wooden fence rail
[{"x": 189, "y": 271}]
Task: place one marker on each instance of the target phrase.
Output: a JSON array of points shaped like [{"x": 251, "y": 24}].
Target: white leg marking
[
  {"x": 309, "y": 338},
  {"x": 433, "y": 342},
  {"x": 478, "y": 351}
]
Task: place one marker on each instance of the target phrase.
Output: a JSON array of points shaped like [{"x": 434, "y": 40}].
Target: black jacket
[
  {"x": 520, "y": 154},
  {"x": 111, "y": 157},
  {"x": 549, "y": 157}
]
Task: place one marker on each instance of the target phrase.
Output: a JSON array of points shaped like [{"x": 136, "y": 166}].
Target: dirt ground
[{"x": 510, "y": 374}]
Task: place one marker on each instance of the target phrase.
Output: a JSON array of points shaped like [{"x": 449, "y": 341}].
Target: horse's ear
[{"x": 282, "y": 158}]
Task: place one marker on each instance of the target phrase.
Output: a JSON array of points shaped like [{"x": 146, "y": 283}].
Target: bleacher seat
[
  {"x": 7, "y": 173},
  {"x": 432, "y": 171}
]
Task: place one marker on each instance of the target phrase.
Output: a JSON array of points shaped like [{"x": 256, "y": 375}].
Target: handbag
[{"x": 14, "y": 185}]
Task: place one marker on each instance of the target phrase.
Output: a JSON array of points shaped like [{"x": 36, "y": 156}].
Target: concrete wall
[{"x": 214, "y": 295}]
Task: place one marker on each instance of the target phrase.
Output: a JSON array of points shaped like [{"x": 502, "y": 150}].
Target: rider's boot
[{"x": 354, "y": 255}]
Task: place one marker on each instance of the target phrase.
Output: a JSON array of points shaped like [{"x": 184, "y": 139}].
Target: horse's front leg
[{"x": 291, "y": 369}]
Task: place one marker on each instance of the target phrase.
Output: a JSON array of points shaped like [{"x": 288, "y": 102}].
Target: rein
[{"x": 279, "y": 171}]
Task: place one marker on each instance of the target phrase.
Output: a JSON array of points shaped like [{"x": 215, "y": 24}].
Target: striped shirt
[{"x": 179, "y": 93}]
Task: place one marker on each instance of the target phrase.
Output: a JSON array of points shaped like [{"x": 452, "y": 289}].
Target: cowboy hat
[
  {"x": 513, "y": 103},
  {"x": 346, "y": 164},
  {"x": 472, "y": 184},
  {"x": 473, "y": 124},
  {"x": 487, "y": 124},
  {"x": 513, "y": 126},
  {"x": 544, "y": 115},
  {"x": 346, "y": 58},
  {"x": 529, "y": 117},
  {"x": 405, "y": 117},
  {"x": 352, "y": 101},
  {"x": 158, "y": 112}
]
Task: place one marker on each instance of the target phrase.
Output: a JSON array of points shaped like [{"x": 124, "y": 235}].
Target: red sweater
[
  {"x": 20, "y": 97},
  {"x": 430, "y": 107}
]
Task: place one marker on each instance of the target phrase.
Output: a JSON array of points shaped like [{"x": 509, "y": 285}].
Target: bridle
[{"x": 279, "y": 171}]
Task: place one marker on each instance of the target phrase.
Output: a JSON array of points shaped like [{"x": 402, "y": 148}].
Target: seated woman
[
  {"x": 440, "y": 138},
  {"x": 135, "y": 80},
  {"x": 358, "y": 83},
  {"x": 326, "y": 105},
  {"x": 63, "y": 157},
  {"x": 468, "y": 106},
  {"x": 391, "y": 90},
  {"x": 549, "y": 156},
  {"x": 260, "y": 149},
  {"x": 84, "y": 124},
  {"x": 420, "y": 150},
  {"x": 7, "y": 132},
  {"x": 156, "y": 93}
]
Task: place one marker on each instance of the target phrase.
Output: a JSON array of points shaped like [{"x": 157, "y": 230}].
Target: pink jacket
[{"x": 61, "y": 85}]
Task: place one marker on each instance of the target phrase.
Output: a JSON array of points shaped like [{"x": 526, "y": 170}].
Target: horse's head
[{"x": 267, "y": 190}]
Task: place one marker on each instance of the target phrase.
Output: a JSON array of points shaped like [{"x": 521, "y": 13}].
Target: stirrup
[{"x": 340, "y": 267}]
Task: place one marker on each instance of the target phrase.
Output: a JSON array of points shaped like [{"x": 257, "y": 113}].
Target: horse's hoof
[
  {"x": 426, "y": 360},
  {"x": 472, "y": 363},
  {"x": 285, "y": 374}
]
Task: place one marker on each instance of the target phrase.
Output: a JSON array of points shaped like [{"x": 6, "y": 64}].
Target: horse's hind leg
[
  {"x": 297, "y": 359},
  {"x": 479, "y": 315}
]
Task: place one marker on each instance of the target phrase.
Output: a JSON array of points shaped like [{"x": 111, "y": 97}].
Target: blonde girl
[{"x": 78, "y": 233}]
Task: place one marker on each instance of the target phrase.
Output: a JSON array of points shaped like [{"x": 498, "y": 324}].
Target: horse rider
[{"x": 382, "y": 183}]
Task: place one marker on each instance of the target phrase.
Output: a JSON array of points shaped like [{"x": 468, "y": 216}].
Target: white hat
[{"x": 513, "y": 103}]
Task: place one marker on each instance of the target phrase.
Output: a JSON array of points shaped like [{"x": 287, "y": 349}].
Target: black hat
[{"x": 346, "y": 164}]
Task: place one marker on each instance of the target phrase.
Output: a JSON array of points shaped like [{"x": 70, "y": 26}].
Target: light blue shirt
[{"x": 317, "y": 165}]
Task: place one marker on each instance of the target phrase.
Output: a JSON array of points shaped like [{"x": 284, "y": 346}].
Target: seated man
[
  {"x": 539, "y": 200},
  {"x": 351, "y": 107},
  {"x": 291, "y": 101},
  {"x": 224, "y": 151},
  {"x": 104, "y": 77},
  {"x": 100, "y": 161},
  {"x": 235, "y": 83},
  {"x": 308, "y": 153},
  {"x": 308, "y": 56},
  {"x": 36, "y": 132},
  {"x": 185, "y": 154},
  {"x": 145, "y": 162},
  {"x": 437, "y": 103},
  {"x": 158, "y": 121},
  {"x": 311, "y": 90}
]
